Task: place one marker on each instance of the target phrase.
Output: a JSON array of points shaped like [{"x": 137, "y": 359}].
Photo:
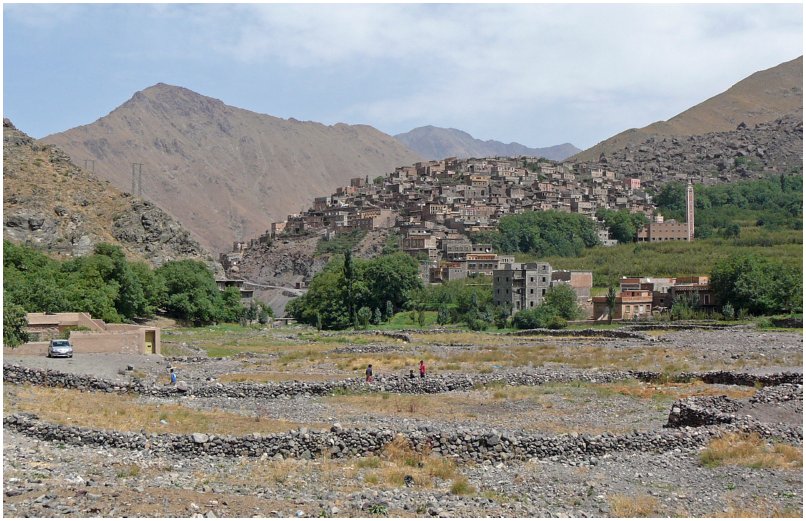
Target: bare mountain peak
[
  {"x": 226, "y": 172},
  {"x": 170, "y": 99}
]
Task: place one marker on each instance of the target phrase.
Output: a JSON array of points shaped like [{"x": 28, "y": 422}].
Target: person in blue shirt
[{"x": 173, "y": 376}]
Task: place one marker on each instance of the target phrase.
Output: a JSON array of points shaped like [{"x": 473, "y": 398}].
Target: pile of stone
[
  {"x": 702, "y": 410},
  {"x": 779, "y": 394}
]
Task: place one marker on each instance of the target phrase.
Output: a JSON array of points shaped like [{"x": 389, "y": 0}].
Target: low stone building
[{"x": 88, "y": 335}]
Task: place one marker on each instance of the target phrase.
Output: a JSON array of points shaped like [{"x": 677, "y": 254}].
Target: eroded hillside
[{"x": 53, "y": 204}]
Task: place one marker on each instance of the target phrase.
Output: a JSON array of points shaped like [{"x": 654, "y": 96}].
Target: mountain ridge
[
  {"x": 761, "y": 97},
  {"x": 434, "y": 142}
]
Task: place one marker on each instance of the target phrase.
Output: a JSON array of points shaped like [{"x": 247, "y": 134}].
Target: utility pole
[{"x": 137, "y": 179}]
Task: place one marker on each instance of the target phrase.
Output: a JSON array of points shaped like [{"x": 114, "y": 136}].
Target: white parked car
[{"x": 60, "y": 348}]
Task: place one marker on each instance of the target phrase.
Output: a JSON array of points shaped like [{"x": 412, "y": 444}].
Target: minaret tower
[{"x": 690, "y": 210}]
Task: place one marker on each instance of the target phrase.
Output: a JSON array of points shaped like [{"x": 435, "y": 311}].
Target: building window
[
  {"x": 544, "y": 291},
  {"x": 706, "y": 299},
  {"x": 532, "y": 291},
  {"x": 531, "y": 279},
  {"x": 543, "y": 279}
]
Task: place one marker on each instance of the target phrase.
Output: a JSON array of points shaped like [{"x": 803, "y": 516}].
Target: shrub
[
  {"x": 364, "y": 316},
  {"x": 543, "y": 316},
  {"x": 14, "y": 324}
]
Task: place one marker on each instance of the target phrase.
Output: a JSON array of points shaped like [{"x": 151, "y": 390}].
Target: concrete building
[
  {"x": 520, "y": 286},
  {"x": 580, "y": 281}
]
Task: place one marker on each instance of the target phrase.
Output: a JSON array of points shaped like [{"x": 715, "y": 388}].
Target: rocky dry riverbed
[{"x": 65, "y": 477}]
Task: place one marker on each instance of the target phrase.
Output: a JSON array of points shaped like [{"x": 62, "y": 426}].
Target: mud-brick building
[
  {"x": 630, "y": 304},
  {"x": 88, "y": 335}
]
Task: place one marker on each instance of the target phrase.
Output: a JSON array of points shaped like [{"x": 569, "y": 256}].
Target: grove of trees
[
  {"x": 758, "y": 285},
  {"x": 622, "y": 224},
  {"x": 542, "y": 233},
  {"x": 338, "y": 293},
  {"x": 108, "y": 286}
]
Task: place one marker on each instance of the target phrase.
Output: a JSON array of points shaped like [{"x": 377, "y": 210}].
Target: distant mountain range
[
  {"x": 762, "y": 97},
  {"x": 438, "y": 143},
  {"x": 51, "y": 203},
  {"x": 226, "y": 173}
]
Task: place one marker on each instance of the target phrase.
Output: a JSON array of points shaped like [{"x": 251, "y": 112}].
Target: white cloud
[{"x": 462, "y": 64}]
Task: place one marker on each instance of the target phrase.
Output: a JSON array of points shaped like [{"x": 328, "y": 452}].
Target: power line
[{"x": 137, "y": 179}]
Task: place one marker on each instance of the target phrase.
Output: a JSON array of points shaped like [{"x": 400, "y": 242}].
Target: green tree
[
  {"x": 389, "y": 278},
  {"x": 443, "y": 316},
  {"x": 564, "y": 300},
  {"x": 543, "y": 316},
  {"x": 390, "y": 310},
  {"x": 251, "y": 312},
  {"x": 14, "y": 324},
  {"x": 757, "y": 285},
  {"x": 622, "y": 224},
  {"x": 193, "y": 295},
  {"x": 732, "y": 231},
  {"x": 611, "y": 303},
  {"x": 501, "y": 317},
  {"x": 377, "y": 318},
  {"x": 349, "y": 278},
  {"x": 685, "y": 306},
  {"x": 542, "y": 233},
  {"x": 130, "y": 301},
  {"x": 364, "y": 316},
  {"x": 265, "y": 313},
  {"x": 326, "y": 299}
]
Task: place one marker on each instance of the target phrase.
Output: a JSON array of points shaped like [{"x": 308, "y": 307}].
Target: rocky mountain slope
[
  {"x": 439, "y": 143},
  {"x": 224, "y": 172},
  {"x": 760, "y": 98},
  {"x": 53, "y": 204},
  {"x": 764, "y": 149}
]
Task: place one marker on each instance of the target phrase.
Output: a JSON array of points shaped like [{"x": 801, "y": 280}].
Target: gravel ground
[{"x": 46, "y": 479}]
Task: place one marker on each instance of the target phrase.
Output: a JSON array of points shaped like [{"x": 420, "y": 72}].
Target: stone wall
[
  {"x": 464, "y": 445},
  {"x": 432, "y": 385}
]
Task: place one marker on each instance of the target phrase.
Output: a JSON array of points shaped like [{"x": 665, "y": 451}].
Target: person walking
[
  {"x": 422, "y": 369},
  {"x": 173, "y": 376},
  {"x": 370, "y": 379}
]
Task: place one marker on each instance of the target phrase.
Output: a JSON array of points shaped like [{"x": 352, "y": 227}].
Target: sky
[{"x": 536, "y": 74}]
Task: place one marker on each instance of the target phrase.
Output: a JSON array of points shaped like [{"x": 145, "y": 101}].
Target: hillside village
[{"x": 432, "y": 207}]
